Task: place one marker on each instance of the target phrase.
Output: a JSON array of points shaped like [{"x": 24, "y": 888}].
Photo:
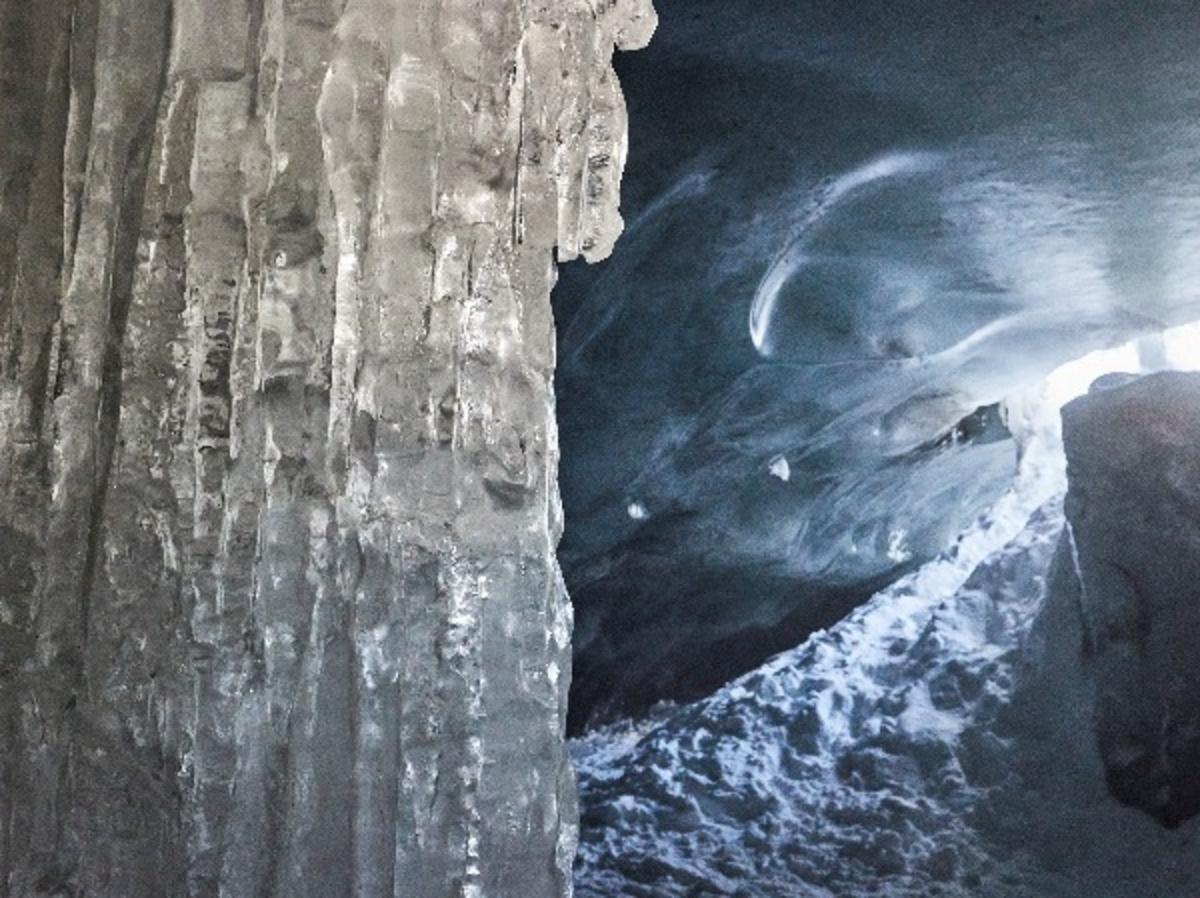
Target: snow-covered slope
[{"x": 938, "y": 742}]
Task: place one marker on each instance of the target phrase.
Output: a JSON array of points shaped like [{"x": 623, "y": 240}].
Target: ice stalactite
[{"x": 279, "y": 606}]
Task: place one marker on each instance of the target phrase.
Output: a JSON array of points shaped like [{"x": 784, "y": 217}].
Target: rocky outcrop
[
  {"x": 1134, "y": 528},
  {"x": 279, "y": 606}
]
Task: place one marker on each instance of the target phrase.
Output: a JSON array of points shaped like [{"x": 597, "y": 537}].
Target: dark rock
[{"x": 1133, "y": 507}]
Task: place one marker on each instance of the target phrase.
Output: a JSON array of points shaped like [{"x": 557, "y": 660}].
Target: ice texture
[
  {"x": 942, "y": 740},
  {"x": 853, "y": 228},
  {"x": 280, "y": 613}
]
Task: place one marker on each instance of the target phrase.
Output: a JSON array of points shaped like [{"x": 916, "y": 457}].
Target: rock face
[
  {"x": 279, "y": 607},
  {"x": 1134, "y": 513}
]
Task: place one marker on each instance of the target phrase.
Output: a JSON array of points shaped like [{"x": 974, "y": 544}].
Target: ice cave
[{"x": 610, "y": 448}]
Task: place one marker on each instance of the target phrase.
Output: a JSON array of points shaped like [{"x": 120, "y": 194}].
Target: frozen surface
[
  {"x": 851, "y": 226},
  {"x": 280, "y": 610},
  {"x": 938, "y": 741}
]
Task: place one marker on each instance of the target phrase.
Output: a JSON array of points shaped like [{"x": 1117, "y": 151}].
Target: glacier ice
[
  {"x": 280, "y": 610},
  {"x": 919, "y": 207}
]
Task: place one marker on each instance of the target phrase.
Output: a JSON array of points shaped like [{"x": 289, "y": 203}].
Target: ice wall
[
  {"x": 854, "y": 227},
  {"x": 279, "y": 606}
]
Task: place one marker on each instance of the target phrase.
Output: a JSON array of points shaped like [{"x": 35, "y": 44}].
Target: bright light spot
[
  {"x": 898, "y": 551},
  {"x": 1034, "y": 415},
  {"x": 1182, "y": 347},
  {"x": 781, "y": 469},
  {"x": 1073, "y": 379},
  {"x": 637, "y": 511}
]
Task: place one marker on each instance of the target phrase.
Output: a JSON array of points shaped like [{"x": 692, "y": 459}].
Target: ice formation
[
  {"x": 792, "y": 258},
  {"x": 280, "y": 613}
]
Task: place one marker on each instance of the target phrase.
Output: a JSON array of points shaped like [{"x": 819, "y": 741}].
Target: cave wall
[
  {"x": 851, "y": 226},
  {"x": 279, "y": 606},
  {"x": 1132, "y": 509}
]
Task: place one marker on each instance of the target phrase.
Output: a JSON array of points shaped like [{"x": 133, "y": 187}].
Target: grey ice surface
[{"x": 280, "y": 613}]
